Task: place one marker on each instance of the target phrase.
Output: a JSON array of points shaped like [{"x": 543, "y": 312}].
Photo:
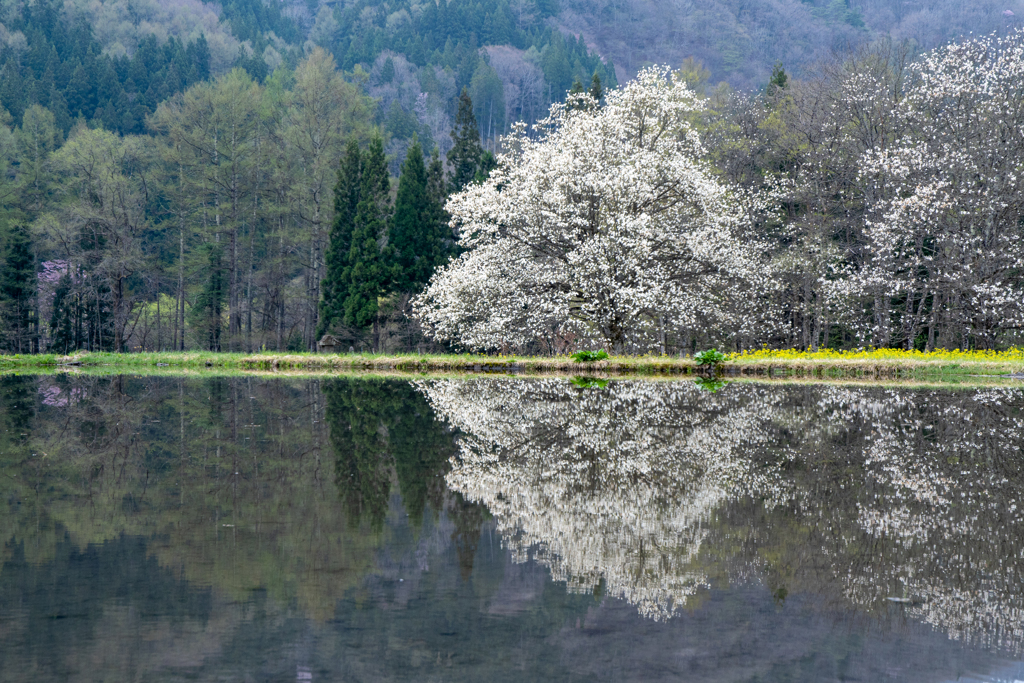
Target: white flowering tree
[
  {"x": 606, "y": 226},
  {"x": 945, "y": 230}
]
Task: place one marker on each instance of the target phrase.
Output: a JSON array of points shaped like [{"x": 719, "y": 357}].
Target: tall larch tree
[{"x": 323, "y": 111}]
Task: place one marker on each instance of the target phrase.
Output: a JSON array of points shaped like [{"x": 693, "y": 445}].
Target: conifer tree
[
  {"x": 335, "y": 287},
  {"x": 17, "y": 291},
  {"x": 464, "y": 156},
  {"x": 596, "y": 89},
  {"x": 412, "y": 232},
  {"x": 779, "y": 79},
  {"x": 370, "y": 271},
  {"x": 487, "y": 164},
  {"x": 207, "y": 314},
  {"x": 437, "y": 192}
]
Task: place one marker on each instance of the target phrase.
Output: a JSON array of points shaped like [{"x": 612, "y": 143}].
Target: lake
[{"x": 508, "y": 529}]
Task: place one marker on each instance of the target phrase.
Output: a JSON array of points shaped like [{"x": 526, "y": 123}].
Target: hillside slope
[{"x": 740, "y": 40}]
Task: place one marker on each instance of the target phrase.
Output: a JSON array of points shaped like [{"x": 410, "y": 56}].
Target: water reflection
[
  {"x": 505, "y": 529},
  {"x": 611, "y": 488},
  {"x": 650, "y": 491}
]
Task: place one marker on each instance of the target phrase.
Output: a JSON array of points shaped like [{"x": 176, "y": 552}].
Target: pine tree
[
  {"x": 17, "y": 291},
  {"x": 335, "y": 287},
  {"x": 416, "y": 251},
  {"x": 778, "y": 80},
  {"x": 370, "y": 270},
  {"x": 574, "y": 92},
  {"x": 596, "y": 90},
  {"x": 464, "y": 156}
]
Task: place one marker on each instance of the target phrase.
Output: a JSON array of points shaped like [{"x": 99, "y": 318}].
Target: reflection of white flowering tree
[
  {"x": 608, "y": 227},
  {"x": 943, "y": 514},
  {"x": 858, "y": 493},
  {"x": 614, "y": 485}
]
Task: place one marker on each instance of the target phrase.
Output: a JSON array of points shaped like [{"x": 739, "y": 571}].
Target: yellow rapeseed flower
[{"x": 946, "y": 355}]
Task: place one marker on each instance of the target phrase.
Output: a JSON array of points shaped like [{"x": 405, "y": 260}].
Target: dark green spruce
[
  {"x": 418, "y": 231},
  {"x": 369, "y": 256},
  {"x": 335, "y": 287}
]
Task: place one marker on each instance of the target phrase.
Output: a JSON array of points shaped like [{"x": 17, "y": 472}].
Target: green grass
[{"x": 783, "y": 365}]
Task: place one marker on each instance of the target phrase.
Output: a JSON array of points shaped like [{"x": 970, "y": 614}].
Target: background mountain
[
  {"x": 740, "y": 40},
  {"x": 115, "y": 60}
]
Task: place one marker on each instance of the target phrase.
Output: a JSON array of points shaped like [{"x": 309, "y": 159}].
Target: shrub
[
  {"x": 589, "y": 356},
  {"x": 711, "y": 358}
]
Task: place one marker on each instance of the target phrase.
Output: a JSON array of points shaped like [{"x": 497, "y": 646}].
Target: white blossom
[{"x": 605, "y": 227}]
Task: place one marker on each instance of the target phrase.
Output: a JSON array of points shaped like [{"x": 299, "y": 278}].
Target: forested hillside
[{"x": 740, "y": 40}]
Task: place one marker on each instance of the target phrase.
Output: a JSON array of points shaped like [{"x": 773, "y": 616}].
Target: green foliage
[
  {"x": 589, "y": 382},
  {"x": 64, "y": 69},
  {"x": 778, "y": 80},
  {"x": 417, "y": 231},
  {"x": 589, "y": 356},
  {"x": 710, "y": 358},
  {"x": 206, "y": 314},
  {"x": 596, "y": 89},
  {"x": 335, "y": 287},
  {"x": 18, "y": 328},
  {"x": 488, "y": 95}
]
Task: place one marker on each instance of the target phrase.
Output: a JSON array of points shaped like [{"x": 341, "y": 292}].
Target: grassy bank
[
  {"x": 877, "y": 363},
  {"x": 880, "y": 364}
]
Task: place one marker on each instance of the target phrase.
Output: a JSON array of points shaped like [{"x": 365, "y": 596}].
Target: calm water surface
[{"x": 502, "y": 529}]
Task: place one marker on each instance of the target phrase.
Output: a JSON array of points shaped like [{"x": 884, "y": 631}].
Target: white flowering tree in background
[
  {"x": 945, "y": 230},
  {"x": 606, "y": 227}
]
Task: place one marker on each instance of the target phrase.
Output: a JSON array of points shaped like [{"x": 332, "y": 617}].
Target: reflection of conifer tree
[
  {"x": 468, "y": 518},
  {"x": 360, "y": 440},
  {"x": 377, "y": 425},
  {"x": 421, "y": 447},
  {"x": 17, "y": 399}
]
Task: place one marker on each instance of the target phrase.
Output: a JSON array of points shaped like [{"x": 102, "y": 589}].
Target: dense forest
[{"x": 245, "y": 176}]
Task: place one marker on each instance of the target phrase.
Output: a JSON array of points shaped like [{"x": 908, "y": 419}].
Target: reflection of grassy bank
[{"x": 885, "y": 364}]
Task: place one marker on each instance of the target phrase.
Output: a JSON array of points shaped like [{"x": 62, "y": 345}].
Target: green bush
[
  {"x": 589, "y": 356},
  {"x": 711, "y": 357}
]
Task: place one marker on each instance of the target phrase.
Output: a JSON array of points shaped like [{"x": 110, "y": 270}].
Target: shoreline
[{"x": 825, "y": 368}]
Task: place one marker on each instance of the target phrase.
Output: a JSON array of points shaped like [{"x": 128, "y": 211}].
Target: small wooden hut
[{"x": 329, "y": 344}]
